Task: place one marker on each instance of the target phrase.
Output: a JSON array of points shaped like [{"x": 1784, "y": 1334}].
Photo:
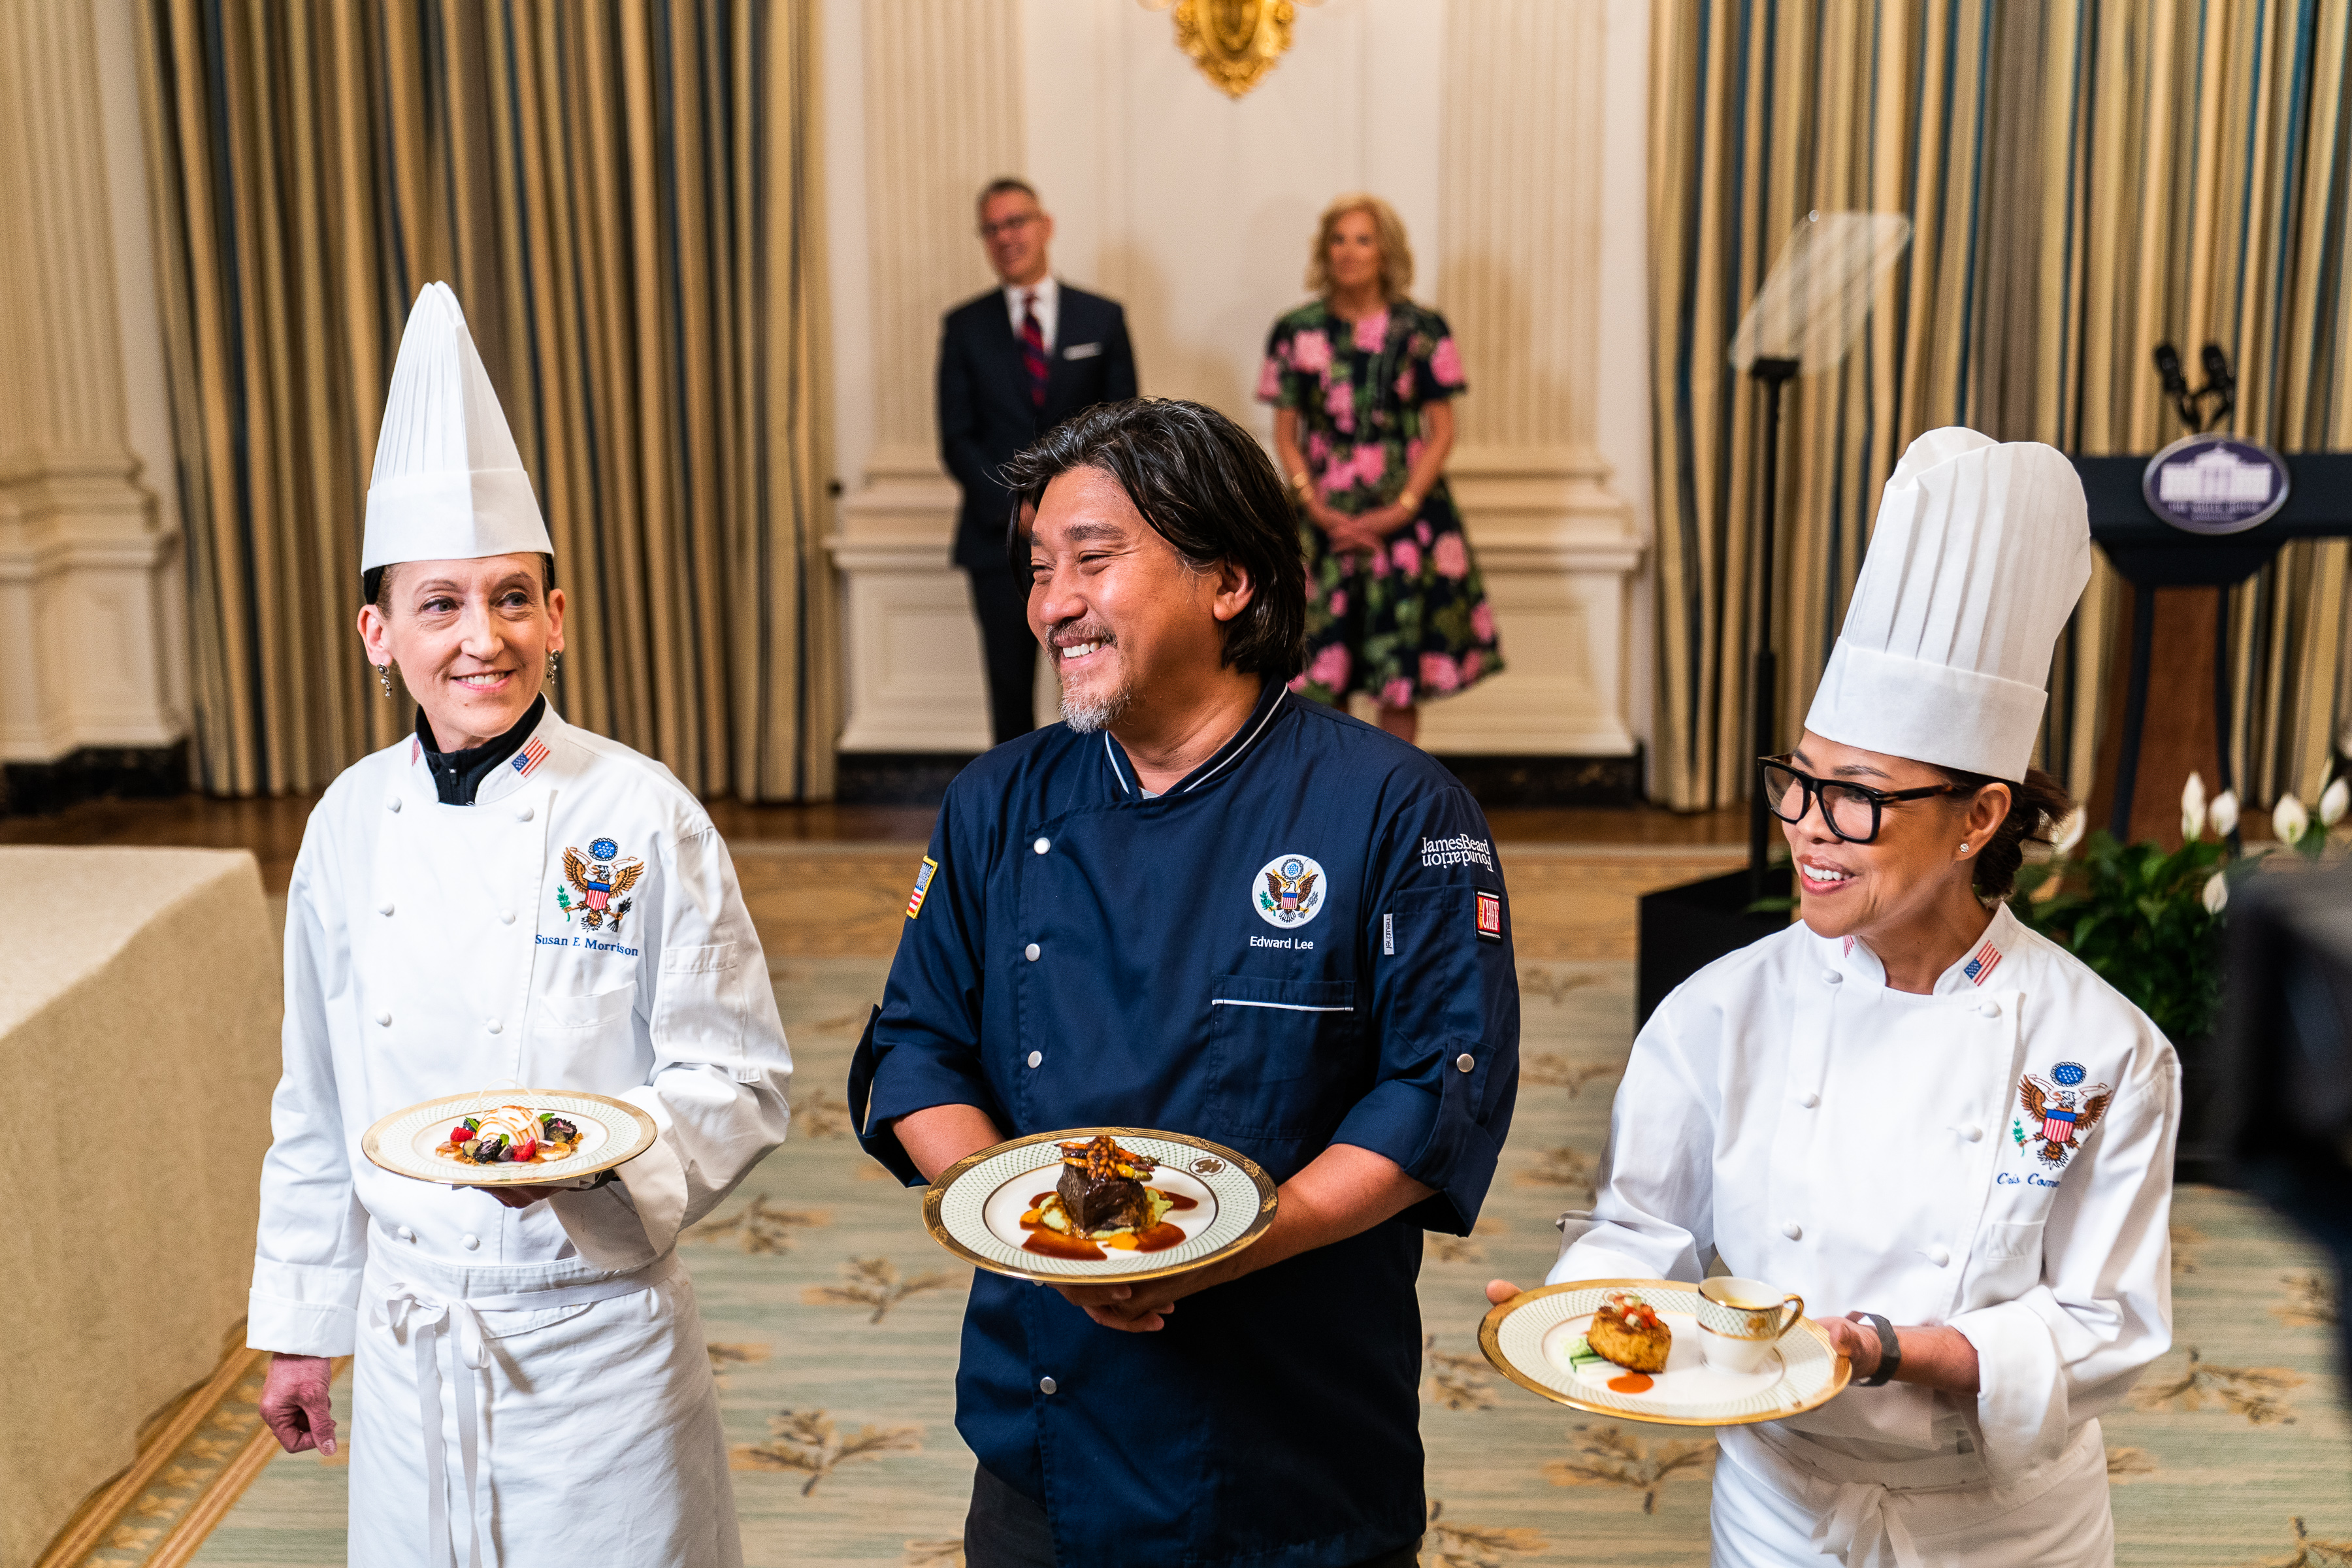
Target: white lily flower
[
  {"x": 2332, "y": 802},
  {"x": 2192, "y": 808},
  {"x": 2225, "y": 814},
  {"x": 2069, "y": 832},
  {"x": 2217, "y": 893},
  {"x": 2289, "y": 820}
]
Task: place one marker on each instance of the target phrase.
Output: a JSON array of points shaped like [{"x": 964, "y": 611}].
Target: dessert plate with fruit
[
  {"x": 509, "y": 1137},
  {"x": 1106, "y": 1205},
  {"x": 1632, "y": 1348}
]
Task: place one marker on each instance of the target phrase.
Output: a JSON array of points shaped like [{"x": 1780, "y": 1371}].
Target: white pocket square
[{"x": 1082, "y": 351}]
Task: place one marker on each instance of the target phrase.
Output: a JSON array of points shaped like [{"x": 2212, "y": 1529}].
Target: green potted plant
[{"x": 2148, "y": 921}]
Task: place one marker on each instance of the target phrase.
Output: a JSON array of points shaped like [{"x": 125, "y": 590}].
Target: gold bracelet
[{"x": 1410, "y": 502}]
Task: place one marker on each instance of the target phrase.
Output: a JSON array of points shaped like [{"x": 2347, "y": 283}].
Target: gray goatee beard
[{"x": 1086, "y": 715}]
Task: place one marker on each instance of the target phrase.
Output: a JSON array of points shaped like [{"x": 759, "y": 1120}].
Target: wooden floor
[{"x": 831, "y": 881}]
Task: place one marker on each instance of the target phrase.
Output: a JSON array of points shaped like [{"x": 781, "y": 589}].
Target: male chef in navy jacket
[
  {"x": 1013, "y": 363},
  {"x": 1087, "y": 946}
]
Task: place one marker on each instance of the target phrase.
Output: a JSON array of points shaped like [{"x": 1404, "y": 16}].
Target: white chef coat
[
  {"x": 431, "y": 949},
  {"x": 1869, "y": 1150}
]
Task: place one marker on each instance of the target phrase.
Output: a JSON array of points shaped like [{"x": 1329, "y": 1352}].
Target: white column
[
  {"x": 923, "y": 109},
  {"x": 1528, "y": 271},
  {"x": 93, "y": 649}
]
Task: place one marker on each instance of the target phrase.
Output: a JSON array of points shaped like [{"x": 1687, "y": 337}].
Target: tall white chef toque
[
  {"x": 449, "y": 483},
  {"x": 1981, "y": 551}
]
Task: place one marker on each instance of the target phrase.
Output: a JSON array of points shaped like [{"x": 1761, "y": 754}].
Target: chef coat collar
[
  {"x": 1269, "y": 703},
  {"x": 458, "y": 777},
  {"x": 1966, "y": 977}
]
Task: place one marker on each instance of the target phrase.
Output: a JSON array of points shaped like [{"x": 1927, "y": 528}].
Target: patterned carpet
[{"x": 833, "y": 1326}]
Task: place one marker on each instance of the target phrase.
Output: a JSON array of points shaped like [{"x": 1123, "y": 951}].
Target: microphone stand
[{"x": 1764, "y": 672}]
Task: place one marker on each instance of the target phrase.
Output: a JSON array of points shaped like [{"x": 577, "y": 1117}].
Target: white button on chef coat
[
  {"x": 470, "y": 1242},
  {"x": 1047, "y": 1386},
  {"x": 1809, "y": 1099},
  {"x": 523, "y": 813},
  {"x": 384, "y": 1020},
  {"x": 506, "y": 917},
  {"x": 1972, "y": 1132},
  {"x": 495, "y": 1026},
  {"x": 1793, "y": 1230},
  {"x": 1464, "y": 1062},
  {"x": 1036, "y": 1058},
  {"x": 1940, "y": 1255},
  {"x": 385, "y": 908},
  {"x": 1042, "y": 845},
  {"x": 1031, "y": 952},
  {"x": 405, "y": 1234}
]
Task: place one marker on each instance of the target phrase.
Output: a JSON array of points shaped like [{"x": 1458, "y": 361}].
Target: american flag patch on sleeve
[
  {"x": 1986, "y": 958},
  {"x": 534, "y": 752},
  {"x": 922, "y": 886}
]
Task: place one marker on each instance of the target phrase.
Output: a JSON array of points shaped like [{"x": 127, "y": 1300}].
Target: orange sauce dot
[{"x": 1631, "y": 1382}]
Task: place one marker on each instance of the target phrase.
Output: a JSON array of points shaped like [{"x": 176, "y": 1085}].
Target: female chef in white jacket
[
  {"x": 1909, "y": 1109},
  {"x": 499, "y": 898}
]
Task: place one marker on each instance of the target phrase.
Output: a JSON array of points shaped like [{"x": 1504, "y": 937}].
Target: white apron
[
  {"x": 432, "y": 949},
  {"x": 1995, "y": 1156}
]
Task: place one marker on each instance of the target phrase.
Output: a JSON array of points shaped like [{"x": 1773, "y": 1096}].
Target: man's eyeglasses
[
  {"x": 1012, "y": 224},
  {"x": 1852, "y": 810}
]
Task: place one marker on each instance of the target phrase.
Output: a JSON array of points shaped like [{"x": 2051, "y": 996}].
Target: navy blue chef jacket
[{"x": 1081, "y": 955}]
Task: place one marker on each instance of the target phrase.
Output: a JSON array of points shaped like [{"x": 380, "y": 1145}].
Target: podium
[{"x": 2151, "y": 554}]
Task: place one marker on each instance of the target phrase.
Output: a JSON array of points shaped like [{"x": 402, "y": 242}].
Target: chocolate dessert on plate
[{"x": 1102, "y": 1185}]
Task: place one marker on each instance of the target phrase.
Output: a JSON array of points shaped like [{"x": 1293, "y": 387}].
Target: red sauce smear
[
  {"x": 1632, "y": 1383},
  {"x": 1054, "y": 1243},
  {"x": 1049, "y": 1243}
]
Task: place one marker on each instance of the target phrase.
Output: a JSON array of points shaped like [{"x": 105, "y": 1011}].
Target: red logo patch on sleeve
[{"x": 1490, "y": 915}]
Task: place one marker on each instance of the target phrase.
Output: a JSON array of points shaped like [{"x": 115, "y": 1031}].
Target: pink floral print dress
[{"x": 1408, "y": 621}]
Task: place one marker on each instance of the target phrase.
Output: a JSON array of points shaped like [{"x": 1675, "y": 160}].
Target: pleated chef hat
[
  {"x": 1981, "y": 551},
  {"x": 448, "y": 483}
]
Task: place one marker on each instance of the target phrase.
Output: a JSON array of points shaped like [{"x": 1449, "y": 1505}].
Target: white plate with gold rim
[
  {"x": 977, "y": 1207},
  {"x": 407, "y": 1143},
  {"x": 1537, "y": 1339}
]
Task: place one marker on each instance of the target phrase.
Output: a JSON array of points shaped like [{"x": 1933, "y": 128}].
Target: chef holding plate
[
  {"x": 1202, "y": 907},
  {"x": 503, "y": 898},
  {"x": 1908, "y": 1109}
]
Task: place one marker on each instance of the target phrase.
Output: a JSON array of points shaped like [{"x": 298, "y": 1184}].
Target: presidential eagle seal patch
[
  {"x": 1287, "y": 891},
  {"x": 602, "y": 879},
  {"x": 2060, "y": 1112}
]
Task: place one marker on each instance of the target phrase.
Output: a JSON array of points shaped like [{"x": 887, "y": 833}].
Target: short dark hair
[
  {"x": 1208, "y": 489},
  {"x": 376, "y": 580},
  {"x": 1001, "y": 186}
]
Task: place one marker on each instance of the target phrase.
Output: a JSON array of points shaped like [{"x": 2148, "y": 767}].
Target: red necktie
[{"x": 1033, "y": 348}]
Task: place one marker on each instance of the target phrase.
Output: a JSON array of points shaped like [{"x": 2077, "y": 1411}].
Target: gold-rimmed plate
[
  {"x": 974, "y": 1209},
  {"x": 1537, "y": 1339},
  {"x": 612, "y": 1132}
]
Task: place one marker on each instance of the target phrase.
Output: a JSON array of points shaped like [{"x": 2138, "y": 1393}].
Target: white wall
[{"x": 1509, "y": 135}]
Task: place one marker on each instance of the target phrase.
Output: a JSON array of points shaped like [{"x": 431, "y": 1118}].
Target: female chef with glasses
[
  {"x": 503, "y": 898},
  {"x": 1909, "y": 1109}
]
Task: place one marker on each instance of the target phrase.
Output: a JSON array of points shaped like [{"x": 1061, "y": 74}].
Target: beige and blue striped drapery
[
  {"x": 2085, "y": 179},
  {"x": 623, "y": 192}
]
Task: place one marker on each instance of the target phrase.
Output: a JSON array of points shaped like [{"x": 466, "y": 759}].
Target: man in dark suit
[{"x": 1013, "y": 363}]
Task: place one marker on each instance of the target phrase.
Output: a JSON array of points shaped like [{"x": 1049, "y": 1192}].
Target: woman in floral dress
[{"x": 1361, "y": 380}]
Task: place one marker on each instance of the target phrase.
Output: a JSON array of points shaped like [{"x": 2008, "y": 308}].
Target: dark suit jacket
[{"x": 985, "y": 416}]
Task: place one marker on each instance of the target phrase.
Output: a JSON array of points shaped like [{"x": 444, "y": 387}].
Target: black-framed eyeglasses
[{"x": 1851, "y": 810}]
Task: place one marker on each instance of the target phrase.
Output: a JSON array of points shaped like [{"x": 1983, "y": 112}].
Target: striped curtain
[
  {"x": 2085, "y": 179},
  {"x": 623, "y": 196}
]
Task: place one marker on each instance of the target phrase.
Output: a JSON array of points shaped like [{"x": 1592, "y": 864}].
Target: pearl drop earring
[{"x": 383, "y": 675}]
